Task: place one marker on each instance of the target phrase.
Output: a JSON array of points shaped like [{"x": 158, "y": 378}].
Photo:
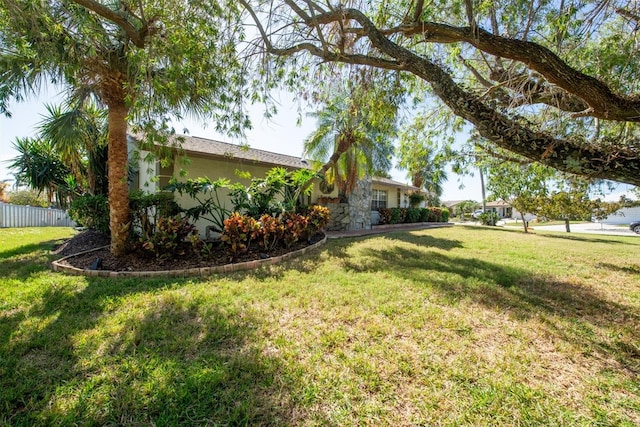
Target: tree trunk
[
  {"x": 524, "y": 223},
  {"x": 567, "y": 226},
  {"x": 119, "y": 212},
  {"x": 484, "y": 192}
]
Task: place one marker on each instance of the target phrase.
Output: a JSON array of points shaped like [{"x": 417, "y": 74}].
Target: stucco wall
[{"x": 624, "y": 216}]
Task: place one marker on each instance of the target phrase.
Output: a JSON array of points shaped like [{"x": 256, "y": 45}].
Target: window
[
  {"x": 165, "y": 173},
  {"x": 378, "y": 199}
]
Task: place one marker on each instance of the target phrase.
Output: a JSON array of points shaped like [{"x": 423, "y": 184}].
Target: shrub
[
  {"x": 239, "y": 231},
  {"x": 385, "y": 215},
  {"x": 445, "y": 215},
  {"x": 271, "y": 231},
  {"x": 295, "y": 228},
  {"x": 147, "y": 209},
  {"x": 424, "y": 214},
  {"x": 397, "y": 216},
  {"x": 435, "y": 214},
  {"x": 28, "y": 198},
  {"x": 91, "y": 212},
  {"x": 415, "y": 199},
  {"x": 208, "y": 200},
  {"x": 170, "y": 237},
  {"x": 413, "y": 215},
  {"x": 488, "y": 218},
  {"x": 317, "y": 218}
]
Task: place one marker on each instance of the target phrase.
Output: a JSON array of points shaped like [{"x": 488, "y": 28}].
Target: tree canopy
[
  {"x": 555, "y": 82},
  {"x": 146, "y": 61}
]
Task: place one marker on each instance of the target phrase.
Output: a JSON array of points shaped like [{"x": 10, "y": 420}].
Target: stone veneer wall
[
  {"x": 360, "y": 206},
  {"x": 355, "y": 215}
]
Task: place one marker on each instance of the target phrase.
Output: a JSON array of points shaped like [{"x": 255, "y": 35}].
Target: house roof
[
  {"x": 197, "y": 145},
  {"x": 498, "y": 204},
  {"x": 451, "y": 203},
  {"x": 204, "y": 146},
  {"x": 392, "y": 183}
]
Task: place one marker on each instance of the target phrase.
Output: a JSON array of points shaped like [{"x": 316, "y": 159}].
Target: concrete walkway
[{"x": 379, "y": 229}]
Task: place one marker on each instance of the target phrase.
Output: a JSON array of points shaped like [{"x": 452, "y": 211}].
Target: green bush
[
  {"x": 396, "y": 216},
  {"x": 424, "y": 214},
  {"x": 488, "y": 218},
  {"x": 415, "y": 199},
  {"x": 28, "y": 198},
  {"x": 147, "y": 209},
  {"x": 445, "y": 215},
  {"x": 91, "y": 212},
  {"x": 413, "y": 215}
]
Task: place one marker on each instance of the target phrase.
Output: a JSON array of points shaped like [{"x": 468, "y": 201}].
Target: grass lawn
[{"x": 452, "y": 326}]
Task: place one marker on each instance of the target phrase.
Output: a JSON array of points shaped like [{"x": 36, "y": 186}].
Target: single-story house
[
  {"x": 503, "y": 209},
  {"x": 200, "y": 157},
  {"x": 623, "y": 216}
]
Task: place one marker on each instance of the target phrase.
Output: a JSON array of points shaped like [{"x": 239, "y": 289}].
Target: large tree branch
[
  {"x": 620, "y": 163},
  {"x": 600, "y": 98},
  {"x": 136, "y": 36}
]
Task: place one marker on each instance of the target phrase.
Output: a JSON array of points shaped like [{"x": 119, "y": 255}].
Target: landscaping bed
[{"x": 91, "y": 245}]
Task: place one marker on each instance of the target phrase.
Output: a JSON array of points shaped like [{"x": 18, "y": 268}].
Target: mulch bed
[{"x": 136, "y": 261}]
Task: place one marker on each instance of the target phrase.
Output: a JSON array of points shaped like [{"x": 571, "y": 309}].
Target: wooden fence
[{"x": 29, "y": 216}]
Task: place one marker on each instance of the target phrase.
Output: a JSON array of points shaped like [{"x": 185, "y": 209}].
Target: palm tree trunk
[{"x": 119, "y": 212}]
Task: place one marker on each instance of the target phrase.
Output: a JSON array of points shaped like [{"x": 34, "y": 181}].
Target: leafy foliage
[
  {"x": 147, "y": 61},
  {"x": 278, "y": 192},
  {"x": 207, "y": 195},
  {"x": 355, "y": 129},
  {"x": 148, "y": 209},
  {"x": 40, "y": 166},
  {"x": 91, "y": 212},
  {"x": 27, "y": 198},
  {"x": 271, "y": 231},
  {"x": 295, "y": 228},
  {"x": 317, "y": 218},
  {"x": 169, "y": 238},
  {"x": 488, "y": 218},
  {"x": 411, "y": 215},
  {"x": 239, "y": 231}
]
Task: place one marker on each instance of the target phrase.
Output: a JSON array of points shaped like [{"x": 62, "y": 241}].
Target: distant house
[
  {"x": 503, "y": 209},
  {"x": 216, "y": 159},
  {"x": 623, "y": 216}
]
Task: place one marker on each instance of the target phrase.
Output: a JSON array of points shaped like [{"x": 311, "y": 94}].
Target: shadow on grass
[
  {"x": 23, "y": 261},
  {"x": 137, "y": 352},
  {"x": 572, "y": 312},
  {"x": 577, "y": 237},
  {"x": 632, "y": 269}
]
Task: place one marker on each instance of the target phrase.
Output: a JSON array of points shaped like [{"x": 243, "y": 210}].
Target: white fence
[{"x": 29, "y": 216}]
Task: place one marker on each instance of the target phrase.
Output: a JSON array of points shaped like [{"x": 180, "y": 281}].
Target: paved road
[{"x": 590, "y": 228}]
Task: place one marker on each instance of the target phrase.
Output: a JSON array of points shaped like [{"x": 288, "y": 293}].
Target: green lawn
[{"x": 451, "y": 326}]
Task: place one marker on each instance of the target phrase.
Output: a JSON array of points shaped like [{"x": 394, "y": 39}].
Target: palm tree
[
  {"x": 39, "y": 166},
  {"x": 419, "y": 156},
  {"x": 353, "y": 138},
  {"x": 142, "y": 60},
  {"x": 79, "y": 134}
]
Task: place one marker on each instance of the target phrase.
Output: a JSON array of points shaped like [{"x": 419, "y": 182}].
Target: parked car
[
  {"x": 635, "y": 227},
  {"x": 477, "y": 213}
]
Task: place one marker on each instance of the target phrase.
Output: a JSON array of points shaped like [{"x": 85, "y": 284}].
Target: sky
[{"x": 278, "y": 134}]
